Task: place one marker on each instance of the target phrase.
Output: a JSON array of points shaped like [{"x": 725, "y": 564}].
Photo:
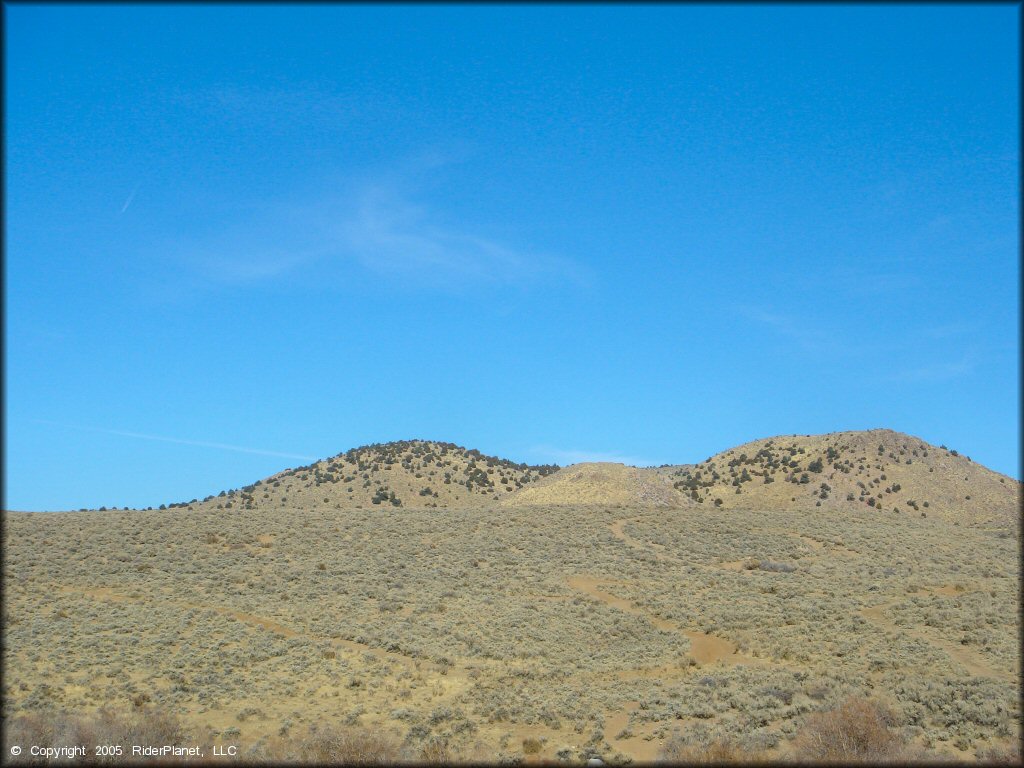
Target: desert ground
[{"x": 521, "y": 632}]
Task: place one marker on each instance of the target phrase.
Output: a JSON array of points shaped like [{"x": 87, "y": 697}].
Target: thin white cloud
[
  {"x": 388, "y": 233},
  {"x": 128, "y": 202},
  {"x": 180, "y": 441},
  {"x": 253, "y": 244},
  {"x": 564, "y": 457},
  {"x": 380, "y": 226}
]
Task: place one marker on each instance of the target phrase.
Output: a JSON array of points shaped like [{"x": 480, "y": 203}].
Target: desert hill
[
  {"x": 601, "y": 483},
  {"x": 879, "y": 468},
  {"x": 412, "y": 473},
  {"x": 597, "y": 610}
]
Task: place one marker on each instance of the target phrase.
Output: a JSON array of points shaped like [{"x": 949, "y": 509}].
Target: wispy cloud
[
  {"x": 563, "y": 457},
  {"x": 384, "y": 227},
  {"x": 389, "y": 233},
  {"x": 180, "y": 441},
  {"x": 128, "y": 202}
]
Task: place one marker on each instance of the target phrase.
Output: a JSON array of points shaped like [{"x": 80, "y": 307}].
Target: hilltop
[
  {"x": 601, "y": 483},
  {"x": 430, "y": 594},
  {"x": 856, "y": 472},
  {"x": 412, "y": 473},
  {"x": 877, "y": 469}
]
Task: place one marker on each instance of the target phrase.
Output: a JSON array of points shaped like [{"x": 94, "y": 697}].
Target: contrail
[
  {"x": 160, "y": 438},
  {"x": 129, "y": 200}
]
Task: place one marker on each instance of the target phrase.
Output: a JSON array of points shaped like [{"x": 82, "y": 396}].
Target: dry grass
[
  {"x": 859, "y": 730},
  {"x": 600, "y": 483},
  {"x": 436, "y": 751},
  {"x": 333, "y": 746},
  {"x": 145, "y": 726},
  {"x": 1010, "y": 755},
  {"x": 531, "y": 746},
  {"x": 320, "y": 745},
  {"x": 467, "y": 631},
  {"x": 718, "y": 752}
]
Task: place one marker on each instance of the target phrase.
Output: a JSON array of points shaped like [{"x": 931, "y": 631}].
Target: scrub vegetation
[{"x": 521, "y": 632}]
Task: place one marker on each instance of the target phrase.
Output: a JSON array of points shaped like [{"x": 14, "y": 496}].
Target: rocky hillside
[
  {"x": 878, "y": 469},
  {"x": 414, "y": 473},
  {"x": 601, "y": 483}
]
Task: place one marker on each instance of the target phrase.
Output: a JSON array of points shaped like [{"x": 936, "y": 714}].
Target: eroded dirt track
[
  {"x": 704, "y": 648},
  {"x": 261, "y": 622},
  {"x": 709, "y": 649},
  {"x": 963, "y": 655}
]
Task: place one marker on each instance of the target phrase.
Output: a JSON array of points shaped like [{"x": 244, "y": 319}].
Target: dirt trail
[
  {"x": 248, "y": 618},
  {"x": 100, "y": 593},
  {"x": 707, "y": 646},
  {"x": 967, "y": 658},
  {"x": 812, "y": 543},
  {"x": 617, "y": 528},
  {"x": 705, "y": 649},
  {"x": 105, "y": 593},
  {"x": 833, "y": 549},
  {"x": 640, "y": 749},
  {"x": 265, "y": 623}
]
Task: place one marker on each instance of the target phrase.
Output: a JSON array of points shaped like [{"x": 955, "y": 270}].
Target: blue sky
[{"x": 239, "y": 238}]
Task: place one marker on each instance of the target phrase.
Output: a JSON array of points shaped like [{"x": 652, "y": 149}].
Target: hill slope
[
  {"x": 413, "y": 473},
  {"x": 601, "y": 483},
  {"x": 879, "y": 469}
]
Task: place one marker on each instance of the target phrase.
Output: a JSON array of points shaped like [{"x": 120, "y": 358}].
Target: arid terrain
[{"x": 493, "y": 611}]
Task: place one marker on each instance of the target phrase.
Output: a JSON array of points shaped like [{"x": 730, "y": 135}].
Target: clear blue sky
[{"x": 239, "y": 236}]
